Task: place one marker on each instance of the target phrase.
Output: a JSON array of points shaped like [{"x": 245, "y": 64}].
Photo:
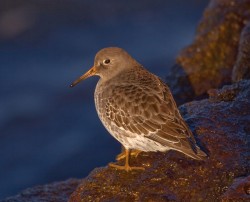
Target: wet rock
[
  {"x": 208, "y": 62},
  {"x": 221, "y": 125},
  {"x": 241, "y": 68},
  {"x": 54, "y": 192}
]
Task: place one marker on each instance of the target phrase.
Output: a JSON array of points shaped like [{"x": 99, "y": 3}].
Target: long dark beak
[{"x": 88, "y": 74}]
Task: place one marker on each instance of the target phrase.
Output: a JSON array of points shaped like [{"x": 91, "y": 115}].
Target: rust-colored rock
[
  {"x": 221, "y": 124},
  {"x": 208, "y": 62},
  {"x": 54, "y": 192},
  {"x": 241, "y": 68}
]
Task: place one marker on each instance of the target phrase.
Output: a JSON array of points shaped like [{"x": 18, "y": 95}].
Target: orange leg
[
  {"x": 122, "y": 155},
  {"x": 126, "y": 166}
]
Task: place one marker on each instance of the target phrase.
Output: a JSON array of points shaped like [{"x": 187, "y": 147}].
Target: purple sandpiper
[{"x": 137, "y": 108}]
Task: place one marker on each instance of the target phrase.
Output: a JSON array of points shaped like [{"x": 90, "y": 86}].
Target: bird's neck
[{"x": 131, "y": 74}]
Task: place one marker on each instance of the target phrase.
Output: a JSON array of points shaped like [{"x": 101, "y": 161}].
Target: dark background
[{"x": 49, "y": 132}]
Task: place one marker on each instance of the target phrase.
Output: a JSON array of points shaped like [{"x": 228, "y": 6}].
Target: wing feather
[{"x": 150, "y": 112}]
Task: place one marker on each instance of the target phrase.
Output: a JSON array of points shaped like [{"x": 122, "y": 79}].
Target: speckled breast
[{"x": 103, "y": 92}]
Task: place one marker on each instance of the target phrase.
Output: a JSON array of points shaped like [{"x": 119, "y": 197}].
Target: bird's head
[{"x": 108, "y": 63}]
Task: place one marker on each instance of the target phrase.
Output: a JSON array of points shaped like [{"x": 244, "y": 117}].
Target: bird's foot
[
  {"x": 125, "y": 167},
  {"x": 122, "y": 155}
]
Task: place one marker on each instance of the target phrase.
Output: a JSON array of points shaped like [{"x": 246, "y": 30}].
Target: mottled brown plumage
[{"x": 137, "y": 108}]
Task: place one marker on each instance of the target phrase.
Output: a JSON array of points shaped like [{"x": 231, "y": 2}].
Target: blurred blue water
[{"x": 48, "y": 131}]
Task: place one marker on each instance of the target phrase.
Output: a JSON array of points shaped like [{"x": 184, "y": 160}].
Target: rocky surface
[
  {"x": 241, "y": 68},
  {"x": 221, "y": 125},
  {"x": 208, "y": 62},
  {"x": 54, "y": 192}
]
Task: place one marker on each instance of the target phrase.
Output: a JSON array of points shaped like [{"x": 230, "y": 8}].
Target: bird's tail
[{"x": 198, "y": 154}]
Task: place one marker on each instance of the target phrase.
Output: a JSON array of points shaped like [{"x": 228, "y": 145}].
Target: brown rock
[
  {"x": 54, "y": 192},
  {"x": 222, "y": 126},
  {"x": 207, "y": 63},
  {"x": 241, "y": 68}
]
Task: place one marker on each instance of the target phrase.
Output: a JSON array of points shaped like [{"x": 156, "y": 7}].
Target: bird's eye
[{"x": 107, "y": 61}]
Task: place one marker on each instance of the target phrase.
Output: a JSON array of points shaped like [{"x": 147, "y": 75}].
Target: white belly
[{"x": 134, "y": 141}]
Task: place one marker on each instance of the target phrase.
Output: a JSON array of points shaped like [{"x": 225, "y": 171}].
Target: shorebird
[{"x": 137, "y": 108}]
